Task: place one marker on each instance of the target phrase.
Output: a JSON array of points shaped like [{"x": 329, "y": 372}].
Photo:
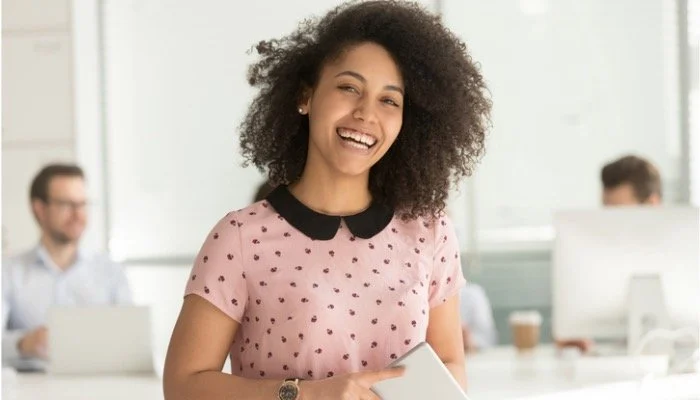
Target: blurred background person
[
  {"x": 57, "y": 271},
  {"x": 629, "y": 181},
  {"x": 478, "y": 327}
]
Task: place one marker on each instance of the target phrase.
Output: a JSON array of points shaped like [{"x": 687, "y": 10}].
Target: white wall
[
  {"x": 89, "y": 118},
  {"x": 694, "y": 102},
  {"x": 176, "y": 92},
  {"x": 575, "y": 84},
  {"x": 37, "y": 105}
]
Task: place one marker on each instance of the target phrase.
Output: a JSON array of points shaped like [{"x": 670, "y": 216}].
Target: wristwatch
[{"x": 289, "y": 390}]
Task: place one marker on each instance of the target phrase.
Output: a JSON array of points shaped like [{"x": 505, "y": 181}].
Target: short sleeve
[
  {"x": 218, "y": 275},
  {"x": 446, "y": 278}
]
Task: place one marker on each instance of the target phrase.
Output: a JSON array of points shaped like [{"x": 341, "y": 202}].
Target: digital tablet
[{"x": 426, "y": 377}]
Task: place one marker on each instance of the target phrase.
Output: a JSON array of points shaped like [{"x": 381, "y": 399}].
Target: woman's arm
[
  {"x": 199, "y": 346},
  {"x": 445, "y": 337},
  {"x": 198, "y": 349}
]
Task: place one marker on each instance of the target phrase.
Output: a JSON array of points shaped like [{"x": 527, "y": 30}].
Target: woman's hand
[{"x": 355, "y": 386}]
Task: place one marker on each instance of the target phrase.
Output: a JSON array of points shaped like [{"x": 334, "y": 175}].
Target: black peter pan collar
[{"x": 365, "y": 224}]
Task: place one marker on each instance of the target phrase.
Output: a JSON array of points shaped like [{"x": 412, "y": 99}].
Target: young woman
[{"x": 362, "y": 120}]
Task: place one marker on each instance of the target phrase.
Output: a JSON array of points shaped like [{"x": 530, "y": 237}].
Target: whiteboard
[{"x": 175, "y": 95}]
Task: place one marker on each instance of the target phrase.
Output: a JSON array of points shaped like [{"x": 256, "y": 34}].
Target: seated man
[
  {"x": 478, "y": 327},
  {"x": 57, "y": 271},
  {"x": 628, "y": 181}
]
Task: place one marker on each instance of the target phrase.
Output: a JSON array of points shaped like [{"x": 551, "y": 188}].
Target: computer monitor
[{"x": 613, "y": 265}]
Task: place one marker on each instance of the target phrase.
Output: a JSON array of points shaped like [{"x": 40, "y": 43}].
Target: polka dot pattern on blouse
[{"x": 313, "y": 309}]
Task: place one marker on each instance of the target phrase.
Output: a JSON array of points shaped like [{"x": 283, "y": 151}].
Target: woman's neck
[{"x": 332, "y": 195}]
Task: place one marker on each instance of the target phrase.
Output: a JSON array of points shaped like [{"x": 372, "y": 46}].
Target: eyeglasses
[{"x": 68, "y": 205}]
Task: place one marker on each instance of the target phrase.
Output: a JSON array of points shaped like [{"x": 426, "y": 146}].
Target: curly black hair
[{"x": 446, "y": 105}]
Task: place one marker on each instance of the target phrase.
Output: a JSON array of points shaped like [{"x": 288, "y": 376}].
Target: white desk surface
[
  {"x": 503, "y": 373},
  {"x": 495, "y": 374},
  {"x": 39, "y": 386}
]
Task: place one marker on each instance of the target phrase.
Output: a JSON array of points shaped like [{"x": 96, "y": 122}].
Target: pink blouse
[{"x": 313, "y": 309}]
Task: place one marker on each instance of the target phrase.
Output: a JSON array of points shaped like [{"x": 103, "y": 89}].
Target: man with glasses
[{"x": 57, "y": 271}]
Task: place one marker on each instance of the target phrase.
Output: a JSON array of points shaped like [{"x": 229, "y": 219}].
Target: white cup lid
[{"x": 525, "y": 317}]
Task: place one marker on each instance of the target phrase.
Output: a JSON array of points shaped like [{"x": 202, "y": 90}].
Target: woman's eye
[
  {"x": 391, "y": 102},
  {"x": 348, "y": 89}
]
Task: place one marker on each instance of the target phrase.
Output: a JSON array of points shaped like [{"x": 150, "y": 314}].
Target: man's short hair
[
  {"x": 640, "y": 173},
  {"x": 40, "y": 185}
]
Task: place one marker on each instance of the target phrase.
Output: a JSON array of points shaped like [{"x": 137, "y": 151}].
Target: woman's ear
[{"x": 304, "y": 105}]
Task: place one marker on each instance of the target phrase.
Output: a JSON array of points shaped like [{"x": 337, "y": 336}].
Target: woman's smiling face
[{"x": 355, "y": 111}]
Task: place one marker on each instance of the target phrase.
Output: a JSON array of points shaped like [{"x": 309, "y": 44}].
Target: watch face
[{"x": 288, "y": 391}]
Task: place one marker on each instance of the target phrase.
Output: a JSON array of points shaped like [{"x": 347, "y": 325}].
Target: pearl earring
[{"x": 301, "y": 110}]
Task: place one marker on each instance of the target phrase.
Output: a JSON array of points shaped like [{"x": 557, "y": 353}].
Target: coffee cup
[{"x": 525, "y": 326}]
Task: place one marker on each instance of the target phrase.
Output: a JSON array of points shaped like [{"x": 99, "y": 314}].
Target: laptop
[
  {"x": 100, "y": 340},
  {"x": 426, "y": 377}
]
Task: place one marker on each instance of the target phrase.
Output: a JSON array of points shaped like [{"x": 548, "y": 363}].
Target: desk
[
  {"x": 499, "y": 373},
  {"x": 34, "y": 386},
  {"x": 676, "y": 387},
  {"x": 502, "y": 373}
]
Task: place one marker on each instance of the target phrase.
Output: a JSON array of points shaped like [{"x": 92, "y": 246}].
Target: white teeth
[
  {"x": 357, "y": 145},
  {"x": 359, "y": 137}
]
